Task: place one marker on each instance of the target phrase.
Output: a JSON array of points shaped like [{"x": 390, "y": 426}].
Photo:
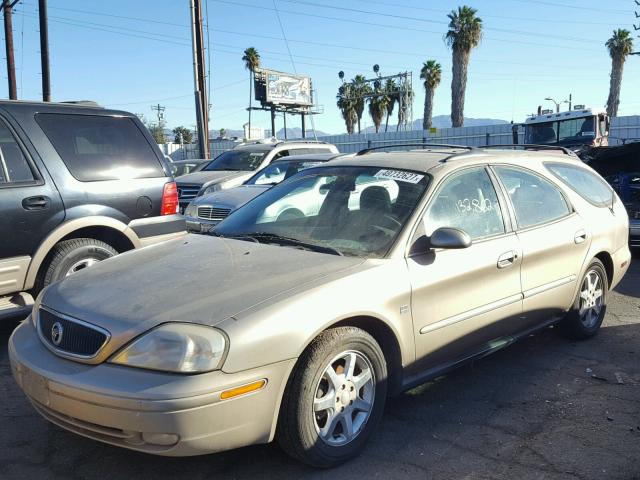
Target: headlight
[
  {"x": 210, "y": 189},
  {"x": 176, "y": 347},
  {"x": 191, "y": 210}
]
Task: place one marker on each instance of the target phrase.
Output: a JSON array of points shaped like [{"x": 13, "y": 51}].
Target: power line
[
  {"x": 426, "y": 20},
  {"x": 384, "y": 25},
  {"x": 502, "y": 17}
]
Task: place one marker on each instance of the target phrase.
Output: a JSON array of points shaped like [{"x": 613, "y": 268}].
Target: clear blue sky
[{"x": 132, "y": 54}]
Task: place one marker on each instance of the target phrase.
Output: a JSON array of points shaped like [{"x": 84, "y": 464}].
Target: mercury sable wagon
[{"x": 297, "y": 329}]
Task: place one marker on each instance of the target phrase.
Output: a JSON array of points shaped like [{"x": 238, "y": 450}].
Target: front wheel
[
  {"x": 588, "y": 310},
  {"x": 334, "y": 399}
]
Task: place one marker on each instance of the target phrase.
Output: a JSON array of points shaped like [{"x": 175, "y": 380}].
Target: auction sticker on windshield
[{"x": 399, "y": 175}]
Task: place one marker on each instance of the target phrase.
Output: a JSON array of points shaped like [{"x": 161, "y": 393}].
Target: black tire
[
  {"x": 297, "y": 431},
  {"x": 575, "y": 326},
  {"x": 67, "y": 254}
]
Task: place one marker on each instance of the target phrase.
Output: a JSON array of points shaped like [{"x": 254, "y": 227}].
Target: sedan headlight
[
  {"x": 191, "y": 210},
  {"x": 210, "y": 189},
  {"x": 176, "y": 347}
]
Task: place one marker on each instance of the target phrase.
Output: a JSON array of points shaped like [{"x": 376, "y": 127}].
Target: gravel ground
[{"x": 543, "y": 408}]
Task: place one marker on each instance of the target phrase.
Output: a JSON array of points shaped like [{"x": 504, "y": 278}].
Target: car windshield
[
  {"x": 238, "y": 160},
  {"x": 355, "y": 211},
  {"x": 279, "y": 171}
]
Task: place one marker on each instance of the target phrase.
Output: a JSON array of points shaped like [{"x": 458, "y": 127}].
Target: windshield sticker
[
  {"x": 399, "y": 175},
  {"x": 310, "y": 164}
]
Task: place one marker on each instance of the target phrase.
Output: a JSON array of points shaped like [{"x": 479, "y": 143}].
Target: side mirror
[{"x": 449, "y": 238}]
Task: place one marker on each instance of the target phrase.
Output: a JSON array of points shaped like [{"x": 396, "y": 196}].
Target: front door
[{"x": 462, "y": 300}]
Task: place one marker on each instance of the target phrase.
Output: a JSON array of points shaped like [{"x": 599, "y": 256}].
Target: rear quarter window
[
  {"x": 100, "y": 147},
  {"x": 585, "y": 183}
]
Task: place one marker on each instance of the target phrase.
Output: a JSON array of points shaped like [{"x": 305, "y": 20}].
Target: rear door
[
  {"x": 464, "y": 299},
  {"x": 554, "y": 242},
  {"x": 30, "y": 207}
]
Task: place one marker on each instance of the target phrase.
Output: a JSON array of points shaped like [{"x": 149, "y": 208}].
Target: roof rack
[
  {"x": 299, "y": 141},
  {"x": 531, "y": 146},
  {"x": 423, "y": 145}
]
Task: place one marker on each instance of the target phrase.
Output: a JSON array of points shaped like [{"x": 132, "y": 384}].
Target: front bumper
[
  {"x": 200, "y": 225},
  {"x": 153, "y": 412}
]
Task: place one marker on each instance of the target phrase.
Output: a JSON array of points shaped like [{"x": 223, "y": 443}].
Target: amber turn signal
[{"x": 250, "y": 387}]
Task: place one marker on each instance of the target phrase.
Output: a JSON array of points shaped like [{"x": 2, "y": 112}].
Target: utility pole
[
  {"x": 7, "y": 7},
  {"x": 160, "y": 109},
  {"x": 199, "y": 77},
  {"x": 44, "y": 50}
]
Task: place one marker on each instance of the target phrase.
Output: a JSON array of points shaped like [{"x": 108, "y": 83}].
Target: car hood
[
  {"x": 197, "y": 279},
  {"x": 232, "y": 198},
  {"x": 215, "y": 176}
]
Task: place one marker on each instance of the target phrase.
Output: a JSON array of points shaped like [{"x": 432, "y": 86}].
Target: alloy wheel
[
  {"x": 81, "y": 265},
  {"x": 591, "y": 299},
  {"x": 344, "y": 398}
]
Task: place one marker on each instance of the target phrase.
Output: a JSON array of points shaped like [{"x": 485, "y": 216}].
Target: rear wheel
[
  {"x": 334, "y": 399},
  {"x": 586, "y": 315},
  {"x": 72, "y": 256}
]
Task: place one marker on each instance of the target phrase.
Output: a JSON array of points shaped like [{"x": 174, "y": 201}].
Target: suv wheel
[
  {"x": 71, "y": 256},
  {"x": 334, "y": 398},
  {"x": 588, "y": 310}
]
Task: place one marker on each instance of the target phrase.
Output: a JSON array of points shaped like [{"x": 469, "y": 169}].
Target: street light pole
[{"x": 557, "y": 103}]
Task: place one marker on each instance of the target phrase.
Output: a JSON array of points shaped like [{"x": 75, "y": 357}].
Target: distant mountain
[
  {"x": 443, "y": 121},
  {"x": 296, "y": 132}
]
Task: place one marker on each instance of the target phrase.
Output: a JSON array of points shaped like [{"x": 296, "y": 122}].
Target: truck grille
[
  {"x": 186, "y": 193},
  {"x": 210, "y": 213},
  {"x": 70, "y": 336}
]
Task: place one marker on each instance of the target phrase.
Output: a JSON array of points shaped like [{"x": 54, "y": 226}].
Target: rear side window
[
  {"x": 535, "y": 200},
  {"x": 14, "y": 167},
  {"x": 96, "y": 147},
  {"x": 586, "y": 184}
]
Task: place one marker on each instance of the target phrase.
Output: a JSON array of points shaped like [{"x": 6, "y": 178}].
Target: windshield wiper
[
  {"x": 274, "y": 237},
  {"x": 249, "y": 238}
]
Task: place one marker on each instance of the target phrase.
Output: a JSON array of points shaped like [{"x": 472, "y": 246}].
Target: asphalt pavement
[{"x": 545, "y": 408}]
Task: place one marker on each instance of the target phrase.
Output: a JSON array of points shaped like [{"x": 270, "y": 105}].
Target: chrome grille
[
  {"x": 187, "y": 192},
  {"x": 211, "y": 213},
  {"x": 70, "y": 336}
]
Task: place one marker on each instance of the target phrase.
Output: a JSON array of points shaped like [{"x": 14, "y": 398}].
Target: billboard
[{"x": 287, "y": 89}]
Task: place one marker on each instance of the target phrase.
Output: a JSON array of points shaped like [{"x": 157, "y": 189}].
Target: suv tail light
[{"x": 169, "y": 199}]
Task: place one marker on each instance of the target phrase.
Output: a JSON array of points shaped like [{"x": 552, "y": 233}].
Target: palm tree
[
  {"x": 251, "y": 59},
  {"x": 390, "y": 88},
  {"x": 347, "y": 107},
  {"x": 378, "y": 105},
  {"x": 431, "y": 73},
  {"x": 360, "y": 89},
  {"x": 620, "y": 45},
  {"x": 465, "y": 32}
]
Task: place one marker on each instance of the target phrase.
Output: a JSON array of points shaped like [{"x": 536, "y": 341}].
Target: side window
[
  {"x": 535, "y": 200},
  {"x": 467, "y": 201},
  {"x": 14, "y": 167},
  {"x": 280, "y": 154},
  {"x": 586, "y": 184}
]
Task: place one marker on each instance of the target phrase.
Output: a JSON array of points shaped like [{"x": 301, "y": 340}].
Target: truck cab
[{"x": 575, "y": 129}]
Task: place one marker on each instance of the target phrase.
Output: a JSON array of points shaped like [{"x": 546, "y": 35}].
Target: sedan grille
[
  {"x": 210, "y": 213},
  {"x": 187, "y": 193},
  {"x": 70, "y": 336}
]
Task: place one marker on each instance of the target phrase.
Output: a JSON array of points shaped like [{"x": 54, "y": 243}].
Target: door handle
[
  {"x": 580, "y": 236},
  {"x": 36, "y": 203},
  {"x": 507, "y": 259}
]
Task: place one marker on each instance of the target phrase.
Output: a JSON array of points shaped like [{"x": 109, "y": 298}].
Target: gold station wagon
[{"x": 298, "y": 328}]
